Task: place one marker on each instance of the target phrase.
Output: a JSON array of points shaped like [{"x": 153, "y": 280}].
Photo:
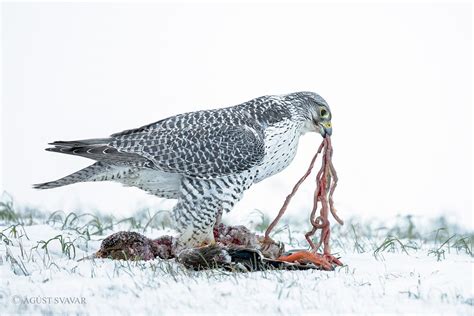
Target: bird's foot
[{"x": 325, "y": 261}]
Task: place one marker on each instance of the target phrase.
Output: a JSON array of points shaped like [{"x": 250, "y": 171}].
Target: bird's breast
[{"x": 281, "y": 143}]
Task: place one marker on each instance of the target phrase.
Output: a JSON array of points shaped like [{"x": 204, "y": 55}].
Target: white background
[{"x": 397, "y": 77}]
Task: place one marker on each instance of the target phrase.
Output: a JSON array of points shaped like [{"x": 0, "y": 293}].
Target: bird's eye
[{"x": 323, "y": 113}]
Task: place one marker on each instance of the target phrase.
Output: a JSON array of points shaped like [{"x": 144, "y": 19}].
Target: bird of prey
[{"x": 204, "y": 159}]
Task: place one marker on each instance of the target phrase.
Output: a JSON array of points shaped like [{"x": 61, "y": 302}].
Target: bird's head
[{"x": 314, "y": 111}]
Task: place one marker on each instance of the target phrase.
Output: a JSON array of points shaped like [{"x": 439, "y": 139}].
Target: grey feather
[
  {"x": 97, "y": 151},
  {"x": 87, "y": 174}
]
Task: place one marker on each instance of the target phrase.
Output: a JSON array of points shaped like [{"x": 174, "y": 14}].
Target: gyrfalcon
[{"x": 204, "y": 159}]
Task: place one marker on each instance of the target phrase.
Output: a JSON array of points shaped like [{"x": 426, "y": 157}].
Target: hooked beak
[{"x": 325, "y": 128}]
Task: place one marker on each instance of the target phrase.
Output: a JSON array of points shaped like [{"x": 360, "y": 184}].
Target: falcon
[{"x": 204, "y": 159}]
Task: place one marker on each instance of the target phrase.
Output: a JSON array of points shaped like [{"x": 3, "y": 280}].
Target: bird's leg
[
  {"x": 193, "y": 234},
  {"x": 218, "y": 226},
  {"x": 195, "y": 215},
  {"x": 218, "y": 218},
  {"x": 197, "y": 247}
]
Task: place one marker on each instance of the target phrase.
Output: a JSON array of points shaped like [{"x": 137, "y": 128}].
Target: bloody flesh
[{"x": 326, "y": 182}]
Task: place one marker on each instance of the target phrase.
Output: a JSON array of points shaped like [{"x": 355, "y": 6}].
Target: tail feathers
[
  {"x": 82, "y": 142},
  {"x": 92, "y": 173},
  {"x": 96, "y": 149}
]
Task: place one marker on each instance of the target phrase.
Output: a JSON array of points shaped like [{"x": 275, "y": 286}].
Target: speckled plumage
[{"x": 205, "y": 159}]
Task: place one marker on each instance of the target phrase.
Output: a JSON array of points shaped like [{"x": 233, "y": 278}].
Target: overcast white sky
[{"x": 397, "y": 77}]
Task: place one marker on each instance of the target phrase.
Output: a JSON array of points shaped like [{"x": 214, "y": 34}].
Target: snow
[{"x": 37, "y": 280}]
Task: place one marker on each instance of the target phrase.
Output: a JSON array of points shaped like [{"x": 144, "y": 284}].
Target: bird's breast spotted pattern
[{"x": 281, "y": 143}]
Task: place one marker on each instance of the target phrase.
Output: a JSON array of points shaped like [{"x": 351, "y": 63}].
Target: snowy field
[{"x": 405, "y": 266}]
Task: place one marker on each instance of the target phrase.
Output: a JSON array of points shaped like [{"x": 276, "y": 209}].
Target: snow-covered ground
[{"x": 407, "y": 266}]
